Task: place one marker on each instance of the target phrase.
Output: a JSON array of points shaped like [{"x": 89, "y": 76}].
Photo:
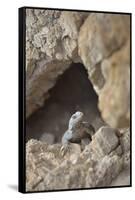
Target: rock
[
  {"x": 98, "y": 38},
  {"x": 125, "y": 145},
  {"x": 118, "y": 151},
  {"x": 126, "y": 160},
  {"x": 106, "y": 55},
  {"x": 114, "y": 102},
  {"x": 51, "y": 46},
  {"x": 92, "y": 39},
  {"x": 104, "y": 141},
  {"x": 47, "y": 170},
  {"x": 108, "y": 169},
  {"x": 122, "y": 179},
  {"x": 125, "y": 140},
  {"x": 102, "y": 43}
]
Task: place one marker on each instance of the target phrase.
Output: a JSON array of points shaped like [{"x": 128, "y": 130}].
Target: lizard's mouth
[{"x": 72, "y": 93}]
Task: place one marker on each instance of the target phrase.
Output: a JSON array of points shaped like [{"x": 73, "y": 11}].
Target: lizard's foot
[{"x": 64, "y": 149}]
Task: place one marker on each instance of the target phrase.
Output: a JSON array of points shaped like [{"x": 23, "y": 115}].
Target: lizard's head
[{"x": 75, "y": 119}]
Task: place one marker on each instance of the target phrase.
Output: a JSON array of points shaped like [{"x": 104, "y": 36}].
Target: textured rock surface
[
  {"x": 105, "y": 50},
  {"x": 114, "y": 99},
  {"x": 46, "y": 169},
  {"x": 99, "y": 38},
  {"x": 104, "y": 141},
  {"x": 51, "y": 46},
  {"x": 101, "y": 42},
  {"x": 55, "y": 39}
]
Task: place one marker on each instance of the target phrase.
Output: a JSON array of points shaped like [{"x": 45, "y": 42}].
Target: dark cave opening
[{"x": 72, "y": 92}]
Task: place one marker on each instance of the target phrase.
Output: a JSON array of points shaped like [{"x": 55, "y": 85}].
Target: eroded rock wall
[
  {"x": 104, "y": 47},
  {"x": 101, "y": 42},
  {"x": 51, "y": 46},
  {"x": 55, "y": 39},
  {"x": 96, "y": 166}
]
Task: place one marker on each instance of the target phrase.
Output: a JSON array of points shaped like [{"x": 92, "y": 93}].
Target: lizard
[{"x": 78, "y": 131}]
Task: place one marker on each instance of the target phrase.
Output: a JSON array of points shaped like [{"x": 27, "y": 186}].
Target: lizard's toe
[{"x": 64, "y": 149}]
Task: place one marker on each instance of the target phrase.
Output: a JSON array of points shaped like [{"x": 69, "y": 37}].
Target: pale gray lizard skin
[{"x": 78, "y": 132}]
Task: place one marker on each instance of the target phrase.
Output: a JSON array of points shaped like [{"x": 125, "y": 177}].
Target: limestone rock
[
  {"x": 98, "y": 38},
  {"x": 106, "y": 55},
  {"x": 114, "y": 99},
  {"x": 108, "y": 169},
  {"x": 55, "y": 39},
  {"x": 47, "y": 169},
  {"x": 104, "y": 141},
  {"x": 122, "y": 179},
  {"x": 125, "y": 140},
  {"x": 51, "y": 46}
]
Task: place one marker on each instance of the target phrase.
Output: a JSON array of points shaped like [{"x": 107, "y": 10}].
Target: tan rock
[
  {"x": 114, "y": 98},
  {"x": 104, "y": 48},
  {"x": 104, "y": 141},
  {"x": 98, "y": 38},
  {"x": 46, "y": 169},
  {"x": 51, "y": 46},
  {"x": 55, "y": 39}
]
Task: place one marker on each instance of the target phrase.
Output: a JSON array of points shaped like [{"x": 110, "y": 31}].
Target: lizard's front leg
[
  {"x": 66, "y": 142},
  {"x": 65, "y": 148}
]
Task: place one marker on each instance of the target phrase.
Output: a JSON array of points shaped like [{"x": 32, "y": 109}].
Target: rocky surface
[
  {"x": 105, "y": 51},
  {"x": 55, "y": 39},
  {"x": 115, "y": 106},
  {"x": 51, "y": 46},
  {"x": 96, "y": 166}
]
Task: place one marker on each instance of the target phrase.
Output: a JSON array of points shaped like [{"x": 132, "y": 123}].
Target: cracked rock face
[
  {"x": 55, "y": 39},
  {"x": 47, "y": 169},
  {"x": 105, "y": 51},
  {"x": 105, "y": 140},
  {"x": 51, "y": 46},
  {"x": 115, "y": 106}
]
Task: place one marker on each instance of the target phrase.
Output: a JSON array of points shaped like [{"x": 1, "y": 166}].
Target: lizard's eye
[{"x": 74, "y": 117}]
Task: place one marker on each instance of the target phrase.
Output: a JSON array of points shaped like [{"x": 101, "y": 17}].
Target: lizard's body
[{"x": 78, "y": 131}]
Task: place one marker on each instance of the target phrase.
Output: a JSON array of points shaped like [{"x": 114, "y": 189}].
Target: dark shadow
[
  {"x": 13, "y": 187},
  {"x": 72, "y": 92}
]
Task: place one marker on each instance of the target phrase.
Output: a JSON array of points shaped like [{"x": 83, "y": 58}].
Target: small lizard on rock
[{"x": 78, "y": 132}]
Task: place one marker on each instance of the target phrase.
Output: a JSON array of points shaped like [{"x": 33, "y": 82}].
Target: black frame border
[{"x": 22, "y": 99}]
